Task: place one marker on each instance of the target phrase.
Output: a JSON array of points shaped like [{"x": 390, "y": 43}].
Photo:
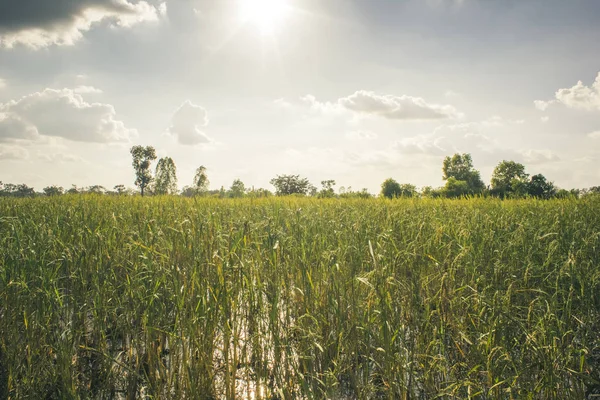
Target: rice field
[{"x": 289, "y": 298}]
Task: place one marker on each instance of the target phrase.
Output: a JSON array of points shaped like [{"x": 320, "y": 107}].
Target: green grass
[{"x": 112, "y": 297}]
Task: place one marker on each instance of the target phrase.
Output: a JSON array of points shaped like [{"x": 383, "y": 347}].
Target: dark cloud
[
  {"x": 27, "y": 14},
  {"x": 38, "y": 23}
]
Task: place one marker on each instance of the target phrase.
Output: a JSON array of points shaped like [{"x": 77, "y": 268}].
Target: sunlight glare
[{"x": 267, "y": 15}]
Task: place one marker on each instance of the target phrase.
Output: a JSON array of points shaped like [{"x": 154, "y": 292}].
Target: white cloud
[
  {"x": 579, "y": 96},
  {"x": 87, "y": 90},
  {"x": 2, "y": 83},
  {"x": 545, "y": 119},
  {"x": 61, "y": 113},
  {"x": 361, "y": 135},
  {"x": 12, "y": 127},
  {"x": 13, "y": 152},
  {"x": 391, "y": 107},
  {"x": 594, "y": 135},
  {"x": 323, "y": 107},
  {"x": 538, "y": 156},
  {"x": 542, "y": 105},
  {"x": 33, "y": 25},
  {"x": 59, "y": 157},
  {"x": 463, "y": 137},
  {"x": 422, "y": 144},
  {"x": 396, "y": 107},
  {"x": 472, "y": 137},
  {"x": 452, "y": 94},
  {"x": 187, "y": 124}
]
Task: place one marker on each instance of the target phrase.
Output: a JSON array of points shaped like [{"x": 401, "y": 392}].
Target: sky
[{"x": 352, "y": 90}]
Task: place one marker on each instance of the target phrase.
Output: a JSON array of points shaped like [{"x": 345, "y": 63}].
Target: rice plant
[{"x": 165, "y": 297}]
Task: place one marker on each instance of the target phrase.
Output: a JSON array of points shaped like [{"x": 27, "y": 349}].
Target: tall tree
[
  {"x": 540, "y": 187},
  {"x": 509, "y": 178},
  {"x": 237, "y": 189},
  {"x": 53, "y": 190},
  {"x": 290, "y": 184},
  {"x": 391, "y": 189},
  {"x": 165, "y": 178},
  {"x": 142, "y": 158},
  {"x": 201, "y": 181},
  {"x": 327, "y": 190},
  {"x": 120, "y": 189},
  {"x": 460, "y": 167}
]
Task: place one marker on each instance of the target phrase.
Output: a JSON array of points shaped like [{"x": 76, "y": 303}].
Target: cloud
[
  {"x": 87, "y": 90},
  {"x": 14, "y": 128},
  {"x": 61, "y": 113},
  {"x": 41, "y": 23},
  {"x": 542, "y": 105},
  {"x": 594, "y": 135},
  {"x": 13, "y": 152},
  {"x": 2, "y": 83},
  {"x": 545, "y": 119},
  {"x": 538, "y": 156},
  {"x": 463, "y": 137},
  {"x": 391, "y": 107},
  {"x": 59, "y": 157},
  {"x": 452, "y": 94},
  {"x": 580, "y": 96},
  {"x": 361, "y": 135},
  {"x": 472, "y": 138},
  {"x": 187, "y": 123},
  {"x": 396, "y": 107}
]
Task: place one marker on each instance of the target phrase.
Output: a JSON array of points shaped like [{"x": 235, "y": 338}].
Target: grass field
[{"x": 123, "y": 297}]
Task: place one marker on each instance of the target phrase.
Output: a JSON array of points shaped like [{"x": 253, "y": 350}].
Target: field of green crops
[{"x": 172, "y": 298}]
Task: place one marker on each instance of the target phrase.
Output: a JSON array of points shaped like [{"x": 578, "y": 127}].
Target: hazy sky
[{"x": 351, "y": 90}]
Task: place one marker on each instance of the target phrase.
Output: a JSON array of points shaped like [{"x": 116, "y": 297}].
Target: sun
[{"x": 266, "y": 15}]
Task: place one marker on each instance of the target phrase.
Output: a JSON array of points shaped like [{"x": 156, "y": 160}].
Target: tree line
[{"x": 509, "y": 180}]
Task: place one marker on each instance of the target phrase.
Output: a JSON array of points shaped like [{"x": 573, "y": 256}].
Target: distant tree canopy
[
  {"x": 142, "y": 158},
  {"x": 508, "y": 178},
  {"x": 392, "y": 189},
  {"x": 237, "y": 189},
  {"x": 165, "y": 181},
  {"x": 201, "y": 181},
  {"x": 53, "y": 190},
  {"x": 460, "y": 168},
  {"x": 290, "y": 184},
  {"x": 540, "y": 187},
  {"x": 11, "y": 190},
  {"x": 327, "y": 189}
]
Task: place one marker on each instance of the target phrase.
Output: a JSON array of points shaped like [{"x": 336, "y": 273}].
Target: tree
[
  {"x": 290, "y": 184},
  {"x": 390, "y": 188},
  {"x": 327, "y": 190},
  {"x": 540, "y": 187},
  {"x": 201, "y": 181},
  {"x": 408, "y": 190},
  {"x": 592, "y": 191},
  {"x": 460, "y": 167},
  {"x": 12, "y": 190},
  {"x": 53, "y": 190},
  {"x": 237, "y": 189},
  {"x": 508, "y": 179},
  {"x": 430, "y": 192},
  {"x": 74, "y": 190},
  {"x": 165, "y": 177},
  {"x": 120, "y": 189},
  {"x": 142, "y": 158},
  {"x": 456, "y": 188},
  {"x": 96, "y": 189}
]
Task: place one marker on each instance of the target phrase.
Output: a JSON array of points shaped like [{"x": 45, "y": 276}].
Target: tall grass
[{"x": 297, "y": 298}]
